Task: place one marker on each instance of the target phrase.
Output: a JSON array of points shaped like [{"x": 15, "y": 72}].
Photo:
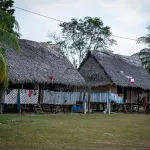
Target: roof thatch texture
[
  {"x": 38, "y": 61},
  {"x": 118, "y": 69}
]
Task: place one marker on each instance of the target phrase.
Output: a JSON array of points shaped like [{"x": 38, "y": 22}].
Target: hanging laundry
[
  {"x": 30, "y": 93},
  {"x": 7, "y": 91},
  {"x": 52, "y": 93},
  {"x": 34, "y": 92}
]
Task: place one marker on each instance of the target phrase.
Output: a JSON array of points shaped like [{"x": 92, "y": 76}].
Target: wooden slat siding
[
  {"x": 134, "y": 96},
  {"x": 60, "y": 97},
  {"x": 113, "y": 89},
  {"x": 103, "y": 97},
  {"x": 98, "y": 89}
]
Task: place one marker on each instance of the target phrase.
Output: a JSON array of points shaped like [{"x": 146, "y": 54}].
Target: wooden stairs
[{"x": 38, "y": 109}]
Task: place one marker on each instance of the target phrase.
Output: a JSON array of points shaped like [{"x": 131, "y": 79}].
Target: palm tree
[
  {"x": 145, "y": 53},
  {"x": 9, "y": 40},
  {"x": 5, "y": 36}
]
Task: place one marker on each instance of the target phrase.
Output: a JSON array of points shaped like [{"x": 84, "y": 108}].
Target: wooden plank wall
[
  {"x": 132, "y": 95},
  {"x": 98, "y": 89}
]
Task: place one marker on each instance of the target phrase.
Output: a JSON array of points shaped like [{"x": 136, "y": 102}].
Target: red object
[
  {"x": 30, "y": 93},
  {"x": 145, "y": 102},
  {"x": 132, "y": 80},
  {"x": 119, "y": 94},
  {"x": 51, "y": 77}
]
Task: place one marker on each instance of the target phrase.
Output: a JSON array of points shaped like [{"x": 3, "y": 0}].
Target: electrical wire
[
  {"x": 63, "y": 21},
  {"x": 37, "y": 14},
  {"x": 124, "y": 38},
  {"x": 41, "y": 15},
  {"x": 132, "y": 47}
]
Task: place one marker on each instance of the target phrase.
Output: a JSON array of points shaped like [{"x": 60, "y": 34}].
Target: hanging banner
[{"x": 132, "y": 80}]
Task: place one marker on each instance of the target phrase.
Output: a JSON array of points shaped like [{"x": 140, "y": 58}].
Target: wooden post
[
  {"x": 123, "y": 93},
  {"x": 41, "y": 93},
  {"x": 138, "y": 100},
  {"x": 1, "y": 108},
  {"x": 89, "y": 96},
  {"x": 84, "y": 103},
  {"x": 2, "y": 97},
  {"x": 109, "y": 103},
  {"x": 84, "y": 106},
  {"x": 103, "y": 106},
  {"x": 131, "y": 99}
]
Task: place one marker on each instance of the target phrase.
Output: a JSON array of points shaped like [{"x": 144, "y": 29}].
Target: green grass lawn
[{"x": 107, "y": 132}]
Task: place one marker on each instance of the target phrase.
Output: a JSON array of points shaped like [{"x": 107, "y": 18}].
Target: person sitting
[{"x": 145, "y": 103}]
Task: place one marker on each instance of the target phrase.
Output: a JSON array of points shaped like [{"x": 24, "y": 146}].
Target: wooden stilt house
[
  {"x": 114, "y": 77},
  {"x": 42, "y": 75}
]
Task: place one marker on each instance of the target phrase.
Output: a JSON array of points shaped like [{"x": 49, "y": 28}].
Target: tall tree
[
  {"x": 145, "y": 53},
  {"x": 86, "y": 34},
  {"x": 8, "y": 39},
  {"x": 12, "y": 26},
  {"x": 62, "y": 43}
]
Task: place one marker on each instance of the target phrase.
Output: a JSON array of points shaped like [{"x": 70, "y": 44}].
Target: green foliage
[
  {"x": 61, "y": 43},
  {"x": 145, "y": 39},
  {"x": 3, "y": 68},
  {"x": 145, "y": 58},
  {"x": 9, "y": 24},
  {"x": 6, "y": 40},
  {"x": 5, "y": 36},
  {"x": 145, "y": 53},
  {"x": 6, "y": 5},
  {"x": 86, "y": 34},
  {"x": 9, "y": 40}
]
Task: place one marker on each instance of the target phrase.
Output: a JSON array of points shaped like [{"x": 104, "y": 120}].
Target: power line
[
  {"x": 63, "y": 21},
  {"x": 132, "y": 47},
  {"x": 37, "y": 14},
  {"x": 125, "y": 38}
]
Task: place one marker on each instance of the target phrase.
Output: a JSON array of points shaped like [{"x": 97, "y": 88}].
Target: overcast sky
[{"x": 127, "y": 18}]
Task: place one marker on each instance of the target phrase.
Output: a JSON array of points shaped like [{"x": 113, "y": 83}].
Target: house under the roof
[
  {"x": 38, "y": 70},
  {"x": 108, "y": 72}
]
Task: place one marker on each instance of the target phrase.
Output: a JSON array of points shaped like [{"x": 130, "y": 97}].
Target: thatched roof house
[
  {"x": 106, "y": 68},
  {"x": 38, "y": 61}
]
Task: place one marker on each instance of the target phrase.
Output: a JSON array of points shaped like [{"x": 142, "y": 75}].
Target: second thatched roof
[{"x": 109, "y": 68}]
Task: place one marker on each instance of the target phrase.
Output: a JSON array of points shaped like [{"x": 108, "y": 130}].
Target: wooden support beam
[
  {"x": 103, "y": 106},
  {"x": 1, "y": 108},
  {"x": 108, "y": 102},
  {"x": 131, "y": 100},
  {"x": 89, "y": 97},
  {"x": 41, "y": 94}
]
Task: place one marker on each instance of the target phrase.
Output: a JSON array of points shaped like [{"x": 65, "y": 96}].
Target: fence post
[
  {"x": 89, "y": 97},
  {"x": 1, "y": 108},
  {"x": 109, "y": 103}
]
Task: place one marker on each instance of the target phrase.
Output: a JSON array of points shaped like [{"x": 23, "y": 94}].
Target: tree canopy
[
  {"x": 82, "y": 35},
  {"x": 145, "y": 53},
  {"x": 8, "y": 39},
  {"x": 12, "y": 25}
]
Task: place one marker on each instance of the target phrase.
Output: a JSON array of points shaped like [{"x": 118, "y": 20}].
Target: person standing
[{"x": 84, "y": 102}]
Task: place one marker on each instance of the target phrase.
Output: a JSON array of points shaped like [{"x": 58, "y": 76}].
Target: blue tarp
[
  {"x": 77, "y": 108},
  {"x": 116, "y": 98}
]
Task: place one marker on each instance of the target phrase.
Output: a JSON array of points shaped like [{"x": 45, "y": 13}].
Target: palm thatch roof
[
  {"x": 109, "y": 68},
  {"x": 38, "y": 61}
]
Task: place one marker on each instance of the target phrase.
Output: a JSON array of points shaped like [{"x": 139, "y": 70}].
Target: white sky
[{"x": 128, "y": 18}]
